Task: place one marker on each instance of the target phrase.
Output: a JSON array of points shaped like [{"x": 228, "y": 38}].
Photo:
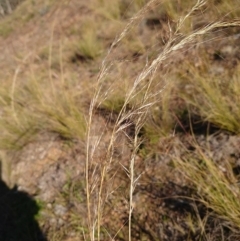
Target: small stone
[
  {"x": 53, "y": 221},
  {"x": 60, "y": 210},
  {"x": 227, "y": 50},
  {"x": 60, "y": 222},
  {"x": 216, "y": 69},
  {"x": 72, "y": 234},
  {"x": 49, "y": 206}
]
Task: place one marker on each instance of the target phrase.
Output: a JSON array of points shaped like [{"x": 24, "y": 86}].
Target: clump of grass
[
  {"x": 59, "y": 108},
  {"x": 23, "y": 12},
  {"x": 109, "y": 10},
  {"x": 113, "y": 105},
  {"x": 217, "y": 187},
  {"x": 34, "y": 107},
  {"x": 5, "y": 29},
  {"x": 215, "y": 98},
  {"x": 89, "y": 46},
  {"x": 215, "y": 10}
]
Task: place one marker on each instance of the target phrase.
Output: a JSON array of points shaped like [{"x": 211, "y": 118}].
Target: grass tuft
[
  {"x": 215, "y": 98},
  {"x": 218, "y": 187}
]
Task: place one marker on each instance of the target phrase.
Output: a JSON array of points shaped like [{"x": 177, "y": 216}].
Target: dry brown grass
[
  {"x": 137, "y": 115},
  {"x": 136, "y": 85},
  {"x": 218, "y": 187}
]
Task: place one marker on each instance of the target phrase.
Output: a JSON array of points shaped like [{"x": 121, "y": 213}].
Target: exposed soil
[{"x": 53, "y": 172}]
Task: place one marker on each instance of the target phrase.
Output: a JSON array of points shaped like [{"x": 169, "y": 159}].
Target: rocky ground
[{"x": 52, "y": 172}]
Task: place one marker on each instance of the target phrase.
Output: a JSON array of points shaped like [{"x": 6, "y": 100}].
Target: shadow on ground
[{"x": 17, "y": 212}]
